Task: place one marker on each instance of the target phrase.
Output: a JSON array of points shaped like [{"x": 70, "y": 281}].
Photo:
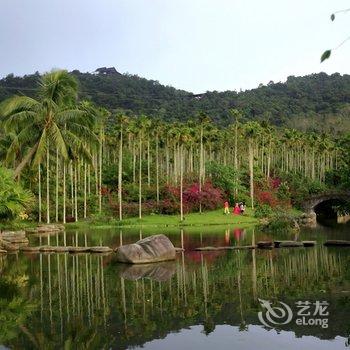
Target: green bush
[
  {"x": 13, "y": 198},
  {"x": 263, "y": 211},
  {"x": 282, "y": 221}
]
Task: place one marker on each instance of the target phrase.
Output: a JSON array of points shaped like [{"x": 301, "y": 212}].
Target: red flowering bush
[
  {"x": 169, "y": 203},
  {"x": 275, "y": 182},
  {"x": 266, "y": 197}
]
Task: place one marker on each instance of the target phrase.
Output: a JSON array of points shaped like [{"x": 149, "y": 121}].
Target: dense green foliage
[
  {"x": 316, "y": 102},
  {"x": 13, "y": 198},
  {"x": 80, "y": 159}
]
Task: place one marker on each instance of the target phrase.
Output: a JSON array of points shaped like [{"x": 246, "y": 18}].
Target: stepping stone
[
  {"x": 50, "y": 228},
  {"x": 78, "y": 249},
  {"x": 7, "y": 235},
  {"x": 277, "y": 243},
  {"x": 30, "y": 249},
  {"x": 337, "y": 243},
  {"x": 62, "y": 249},
  {"x": 243, "y": 247},
  {"x": 291, "y": 244},
  {"x": 206, "y": 248},
  {"x": 46, "y": 248},
  {"x": 17, "y": 240},
  {"x": 100, "y": 249},
  {"x": 309, "y": 243},
  {"x": 265, "y": 244},
  {"x": 236, "y": 247}
]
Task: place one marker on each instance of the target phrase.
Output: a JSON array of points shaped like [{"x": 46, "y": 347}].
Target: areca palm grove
[{"x": 80, "y": 159}]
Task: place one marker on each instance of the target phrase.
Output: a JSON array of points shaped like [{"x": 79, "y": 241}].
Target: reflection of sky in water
[{"x": 228, "y": 337}]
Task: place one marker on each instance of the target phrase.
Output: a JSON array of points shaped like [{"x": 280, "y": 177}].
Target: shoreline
[{"x": 210, "y": 218}]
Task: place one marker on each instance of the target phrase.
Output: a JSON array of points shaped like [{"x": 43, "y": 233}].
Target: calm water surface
[{"x": 206, "y": 300}]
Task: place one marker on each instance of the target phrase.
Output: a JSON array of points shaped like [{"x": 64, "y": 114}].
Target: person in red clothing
[
  {"x": 236, "y": 210},
  {"x": 226, "y": 208}
]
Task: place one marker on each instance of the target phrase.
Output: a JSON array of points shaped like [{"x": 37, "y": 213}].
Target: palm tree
[
  {"x": 203, "y": 120},
  {"x": 183, "y": 138},
  {"x": 251, "y": 131},
  {"x": 51, "y": 122},
  {"x": 122, "y": 122},
  {"x": 143, "y": 124}
]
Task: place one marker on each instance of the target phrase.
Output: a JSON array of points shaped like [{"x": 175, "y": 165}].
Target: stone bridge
[{"x": 314, "y": 200}]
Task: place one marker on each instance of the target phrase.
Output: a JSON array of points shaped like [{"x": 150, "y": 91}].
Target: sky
[{"x": 195, "y": 45}]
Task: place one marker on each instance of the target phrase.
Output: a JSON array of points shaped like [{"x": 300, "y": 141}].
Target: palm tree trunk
[
  {"x": 75, "y": 194},
  {"x": 56, "y": 185},
  {"x": 64, "y": 193},
  {"x": 71, "y": 187},
  {"x": 100, "y": 178},
  {"x": 181, "y": 184},
  {"x": 236, "y": 156},
  {"x": 200, "y": 169},
  {"x": 120, "y": 173},
  {"x": 268, "y": 161},
  {"x": 39, "y": 192},
  {"x": 140, "y": 175},
  {"x": 251, "y": 171},
  {"x": 148, "y": 162},
  {"x": 134, "y": 162},
  {"x": 89, "y": 181},
  {"x": 157, "y": 168},
  {"x": 47, "y": 185},
  {"x": 85, "y": 190}
]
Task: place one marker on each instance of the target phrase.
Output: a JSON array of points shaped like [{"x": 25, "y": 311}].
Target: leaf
[
  {"x": 326, "y": 55},
  {"x": 332, "y": 17}
]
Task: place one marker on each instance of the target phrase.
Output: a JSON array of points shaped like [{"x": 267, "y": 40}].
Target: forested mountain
[{"x": 317, "y": 102}]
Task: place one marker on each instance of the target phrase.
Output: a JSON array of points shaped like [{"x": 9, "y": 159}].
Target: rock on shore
[{"x": 151, "y": 249}]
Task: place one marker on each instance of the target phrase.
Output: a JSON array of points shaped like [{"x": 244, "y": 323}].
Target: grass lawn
[{"x": 215, "y": 217}]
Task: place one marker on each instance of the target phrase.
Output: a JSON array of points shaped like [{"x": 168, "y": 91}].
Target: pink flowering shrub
[{"x": 169, "y": 203}]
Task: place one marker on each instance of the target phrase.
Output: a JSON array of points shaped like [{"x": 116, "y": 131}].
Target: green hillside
[{"x": 314, "y": 102}]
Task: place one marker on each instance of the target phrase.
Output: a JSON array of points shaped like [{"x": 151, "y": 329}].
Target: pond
[{"x": 287, "y": 297}]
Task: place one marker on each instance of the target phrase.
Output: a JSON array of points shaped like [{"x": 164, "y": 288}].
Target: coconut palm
[
  {"x": 122, "y": 121},
  {"x": 52, "y": 122},
  {"x": 251, "y": 132},
  {"x": 143, "y": 125}
]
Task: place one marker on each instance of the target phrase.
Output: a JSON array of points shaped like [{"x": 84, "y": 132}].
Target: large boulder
[{"x": 148, "y": 250}]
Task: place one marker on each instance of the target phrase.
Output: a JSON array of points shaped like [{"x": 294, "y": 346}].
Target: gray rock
[
  {"x": 99, "y": 249},
  {"x": 290, "y": 244},
  {"x": 50, "y": 228},
  {"x": 337, "y": 243},
  {"x": 309, "y": 243},
  {"x": 47, "y": 248},
  {"x": 151, "y": 249},
  {"x": 7, "y": 235},
  {"x": 78, "y": 249},
  {"x": 265, "y": 244},
  {"x": 8, "y": 246}
]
